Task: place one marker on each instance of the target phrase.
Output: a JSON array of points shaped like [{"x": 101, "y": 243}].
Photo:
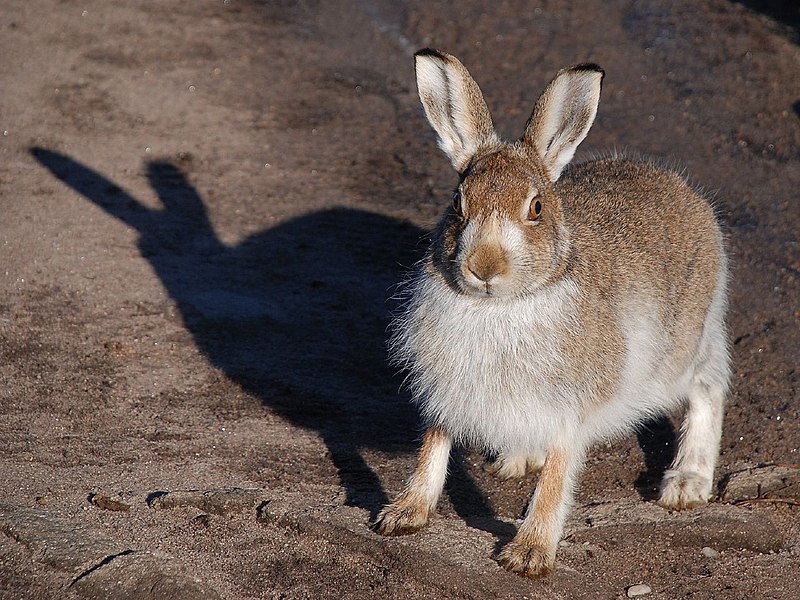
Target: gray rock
[
  {"x": 142, "y": 576},
  {"x": 736, "y": 529},
  {"x": 641, "y": 589},
  {"x": 95, "y": 565},
  {"x": 750, "y": 531},
  {"x": 63, "y": 545},
  {"x": 274, "y": 512},
  {"x": 710, "y": 552},
  {"x": 106, "y": 503},
  {"x": 218, "y": 501},
  {"x": 761, "y": 482}
]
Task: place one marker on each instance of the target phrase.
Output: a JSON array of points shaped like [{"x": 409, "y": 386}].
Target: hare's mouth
[
  {"x": 483, "y": 289},
  {"x": 475, "y": 285},
  {"x": 485, "y": 292}
]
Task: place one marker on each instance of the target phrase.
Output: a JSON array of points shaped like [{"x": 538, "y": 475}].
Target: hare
[{"x": 557, "y": 306}]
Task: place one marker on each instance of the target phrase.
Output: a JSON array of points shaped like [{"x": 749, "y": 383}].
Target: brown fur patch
[
  {"x": 487, "y": 261},
  {"x": 435, "y": 436}
]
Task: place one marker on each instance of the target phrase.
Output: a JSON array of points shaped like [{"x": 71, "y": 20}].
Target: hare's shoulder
[
  {"x": 642, "y": 226},
  {"x": 617, "y": 194},
  {"x": 615, "y": 182}
]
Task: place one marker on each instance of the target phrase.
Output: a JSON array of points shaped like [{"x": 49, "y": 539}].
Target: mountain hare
[{"x": 557, "y": 306}]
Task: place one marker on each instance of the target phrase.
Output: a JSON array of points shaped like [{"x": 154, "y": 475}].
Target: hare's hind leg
[
  {"x": 412, "y": 508},
  {"x": 510, "y": 466},
  {"x": 689, "y": 481}
]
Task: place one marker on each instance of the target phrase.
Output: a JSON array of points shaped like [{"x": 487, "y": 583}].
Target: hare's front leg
[
  {"x": 412, "y": 508},
  {"x": 532, "y": 552}
]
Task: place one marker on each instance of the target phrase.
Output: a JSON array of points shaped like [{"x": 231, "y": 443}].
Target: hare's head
[{"x": 504, "y": 233}]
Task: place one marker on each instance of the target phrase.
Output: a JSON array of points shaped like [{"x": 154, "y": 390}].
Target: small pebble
[
  {"x": 202, "y": 520},
  {"x": 638, "y": 590},
  {"x": 710, "y": 552},
  {"x": 106, "y": 503},
  {"x": 271, "y": 511}
]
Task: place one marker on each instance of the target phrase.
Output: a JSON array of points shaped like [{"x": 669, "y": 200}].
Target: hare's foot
[
  {"x": 402, "y": 517},
  {"x": 529, "y": 560},
  {"x": 684, "y": 489},
  {"x": 515, "y": 466},
  {"x": 410, "y": 511}
]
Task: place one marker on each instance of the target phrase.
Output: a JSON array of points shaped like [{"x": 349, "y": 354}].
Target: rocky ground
[{"x": 204, "y": 207}]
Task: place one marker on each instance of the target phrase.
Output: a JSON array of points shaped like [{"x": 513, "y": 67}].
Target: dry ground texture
[{"x": 203, "y": 209}]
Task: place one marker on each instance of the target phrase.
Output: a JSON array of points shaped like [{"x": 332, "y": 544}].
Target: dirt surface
[{"x": 204, "y": 207}]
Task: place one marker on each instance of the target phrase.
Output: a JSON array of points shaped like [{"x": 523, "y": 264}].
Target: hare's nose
[
  {"x": 484, "y": 275},
  {"x": 486, "y": 264}
]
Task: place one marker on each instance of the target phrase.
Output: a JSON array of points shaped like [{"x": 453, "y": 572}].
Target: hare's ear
[
  {"x": 563, "y": 115},
  {"x": 454, "y": 106}
]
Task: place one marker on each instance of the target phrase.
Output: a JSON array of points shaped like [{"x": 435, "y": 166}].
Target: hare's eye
[
  {"x": 536, "y": 209},
  {"x": 457, "y": 203}
]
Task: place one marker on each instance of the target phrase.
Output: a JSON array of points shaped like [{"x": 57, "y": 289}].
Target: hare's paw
[
  {"x": 508, "y": 467},
  {"x": 401, "y": 517},
  {"x": 684, "y": 489},
  {"x": 528, "y": 560},
  {"x": 514, "y": 466}
]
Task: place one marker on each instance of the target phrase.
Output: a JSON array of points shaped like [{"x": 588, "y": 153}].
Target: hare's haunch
[{"x": 557, "y": 306}]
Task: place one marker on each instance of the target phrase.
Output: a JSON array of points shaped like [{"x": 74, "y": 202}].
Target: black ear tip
[
  {"x": 590, "y": 67},
  {"x": 38, "y": 151},
  {"x": 429, "y": 52},
  {"x": 45, "y": 156}
]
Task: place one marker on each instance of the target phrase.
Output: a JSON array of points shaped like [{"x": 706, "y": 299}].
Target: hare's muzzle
[{"x": 485, "y": 267}]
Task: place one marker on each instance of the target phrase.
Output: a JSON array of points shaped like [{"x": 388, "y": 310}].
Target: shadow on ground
[
  {"x": 296, "y": 314},
  {"x": 658, "y": 441},
  {"x": 783, "y": 11}
]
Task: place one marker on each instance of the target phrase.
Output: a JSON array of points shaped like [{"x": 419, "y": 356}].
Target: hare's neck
[
  {"x": 543, "y": 307},
  {"x": 442, "y": 329}
]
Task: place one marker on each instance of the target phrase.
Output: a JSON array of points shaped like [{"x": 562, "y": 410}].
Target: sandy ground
[{"x": 204, "y": 207}]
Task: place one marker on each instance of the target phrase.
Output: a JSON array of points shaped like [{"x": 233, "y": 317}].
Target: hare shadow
[
  {"x": 658, "y": 441},
  {"x": 786, "y": 12},
  {"x": 296, "y": 314}
]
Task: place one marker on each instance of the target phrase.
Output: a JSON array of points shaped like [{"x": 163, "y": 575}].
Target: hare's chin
[{"x": 485, "y": 291}]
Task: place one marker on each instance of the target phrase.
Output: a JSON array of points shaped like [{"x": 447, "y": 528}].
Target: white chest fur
[{"x": 490, "y": 370}]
